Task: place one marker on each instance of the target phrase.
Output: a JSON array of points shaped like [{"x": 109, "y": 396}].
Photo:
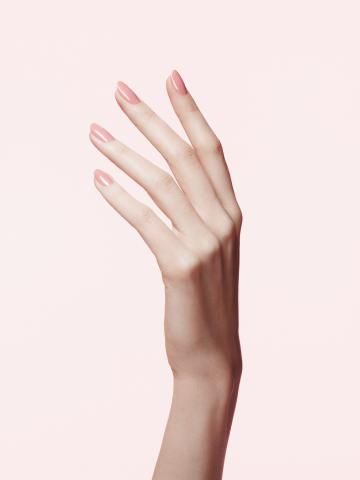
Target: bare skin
[{"x": 199, "y": 262}]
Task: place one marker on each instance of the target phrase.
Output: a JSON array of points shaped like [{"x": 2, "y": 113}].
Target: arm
[
  {"x": 199, "y": 262},
  {"x": 197, "y": 431}
]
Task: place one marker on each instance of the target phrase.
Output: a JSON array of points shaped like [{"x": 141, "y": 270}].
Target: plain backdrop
[{"x": 85, "y": 387}]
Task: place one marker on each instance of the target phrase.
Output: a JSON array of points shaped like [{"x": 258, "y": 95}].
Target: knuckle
[
  {"x": 185, "y": 153},
  {"x": 228, "y": 230},
  {"x": 238, "y": 216},
  {"x": 163, "y": 181},
  {"x": 186, "y": 267},
  {"x": 189, "y": 153},
  {"x": 210, "y": 247},
  {"x": 119, "y": 148},
  {"x": 211, "y": 145},
  {"x": 215, "y": 145},
  {"x": 192, "y": 107},
  {"x": 148, "y": 115},
  {"x": 145, "y": 216}
]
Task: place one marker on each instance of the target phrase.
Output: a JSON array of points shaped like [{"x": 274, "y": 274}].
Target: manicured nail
[
  {"x": 178, "y": 82},
  {"x": 100, "y": 133},
  {"x": 103, "y": 178},
  {"x": 127, "y": 93}
]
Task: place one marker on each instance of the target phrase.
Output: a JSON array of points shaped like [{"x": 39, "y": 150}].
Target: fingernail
[
  {"x": 178, "y": 82},
  {"x": 127, "y": 93},
  {"x": 103, "y": 178},
  {"x": 99, "y": 132}
]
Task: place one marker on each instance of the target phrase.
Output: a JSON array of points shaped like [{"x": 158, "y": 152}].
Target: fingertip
[
  {"x": 178, "y": 82},
  {"x": 102, "y": 178}
]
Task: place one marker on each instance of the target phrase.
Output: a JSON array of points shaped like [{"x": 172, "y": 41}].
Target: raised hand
[{"x": 199, "y": 261}]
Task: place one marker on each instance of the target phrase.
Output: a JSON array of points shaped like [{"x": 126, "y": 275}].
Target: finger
[
  {"x": 160, "y": 185},
  {"x": 206, "y": 144},
  {"x": 160, "y": 239},
  {"x": 178, "y": 153}
]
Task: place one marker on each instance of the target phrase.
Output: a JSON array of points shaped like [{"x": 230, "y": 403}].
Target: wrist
[
  {"x": 207, "y": 391},
  {"x": 210, "y": 375}
]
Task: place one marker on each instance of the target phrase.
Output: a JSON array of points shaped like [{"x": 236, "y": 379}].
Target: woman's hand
[{"x": 199, "y": 262}]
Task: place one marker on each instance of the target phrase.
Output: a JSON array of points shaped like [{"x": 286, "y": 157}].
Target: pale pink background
[{"x": 85, "y": 387}]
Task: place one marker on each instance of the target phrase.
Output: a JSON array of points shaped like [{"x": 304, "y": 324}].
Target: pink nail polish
[
  {"x": 103, "y": 178},
  {"x": 126, "y": 92},
  {"x": 100, "y": 133},
  {"x": 178, "y": 82}
]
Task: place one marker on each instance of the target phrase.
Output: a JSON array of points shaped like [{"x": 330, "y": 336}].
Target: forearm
[{"x": 197, "y": 430}]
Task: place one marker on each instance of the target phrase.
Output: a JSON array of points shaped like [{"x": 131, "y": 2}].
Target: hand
[
  {"x": 199, "y": 256},
  {"x": 199, "y": 262}
]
